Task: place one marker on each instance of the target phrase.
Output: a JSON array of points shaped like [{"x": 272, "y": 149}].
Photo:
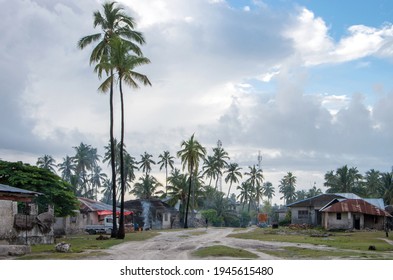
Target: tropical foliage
[{"x": 54, "y": 191}]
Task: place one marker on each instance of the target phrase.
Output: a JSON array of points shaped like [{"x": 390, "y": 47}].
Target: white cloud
[{"x": 314, "y": 46}]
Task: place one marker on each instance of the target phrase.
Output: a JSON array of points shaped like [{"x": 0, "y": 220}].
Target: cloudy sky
[{"x": 306, "y": 83}]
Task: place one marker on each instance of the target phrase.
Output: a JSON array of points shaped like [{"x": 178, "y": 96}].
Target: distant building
[{"x": 339, "y": 211}]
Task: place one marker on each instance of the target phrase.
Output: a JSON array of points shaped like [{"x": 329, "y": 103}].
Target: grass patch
[
  {"x": 223, "y": 251},
  {"x": 83, "y": 246},
  {"x": 352, "y": 241},
  {"x": 298, "y": 253}
]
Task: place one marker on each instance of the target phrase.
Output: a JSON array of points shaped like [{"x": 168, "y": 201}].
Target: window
[
  {"x": 166, "y": 217},
  {"x": 338, "y": 216},
  {"x": 302, "y": 214}
]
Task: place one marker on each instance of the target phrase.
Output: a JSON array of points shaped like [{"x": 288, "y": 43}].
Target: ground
[{"x": 179, "y": 245}]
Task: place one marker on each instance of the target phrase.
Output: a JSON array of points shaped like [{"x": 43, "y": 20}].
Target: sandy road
[
  {"x": 178, "y": 245},
  {"x": 175, "y": 245}
]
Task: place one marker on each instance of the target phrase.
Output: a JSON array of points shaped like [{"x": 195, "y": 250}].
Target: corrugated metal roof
[
  {"x": 315, "y": 201},
  {"x": 13, "y": 190},
  {"x": 92, "y": 205},
  {"x": 376, "y": 202},
  {"x": 356, "y": 206}
]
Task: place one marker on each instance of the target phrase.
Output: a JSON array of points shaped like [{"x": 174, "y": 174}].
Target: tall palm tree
[
  {"x": 146, "y": 163},
  {"x": 122, "y": 63},
  {"x": 86, "y": 158},
  {"x": 97, "y": 178},
  {"x": 67, "y": 168},
  {"x": 190, "y": 155},
  {"x": 146, "y": 187},
  {"x": 255, "y": 180},
  {"x": 287, "y": 188},
  {"x": 113, "y": 23},
  {"x": 268, "y": 190},
  {"x": 166, "y": 160},
  {"x": 220, "y": 156},
  {"x": 233, "y": 175},
  {"x": 47, "y": 162},
  {"x": 245, "y": 194},
  {"x": 210, "y": 168},
  {"x": 178, "y": 191}
]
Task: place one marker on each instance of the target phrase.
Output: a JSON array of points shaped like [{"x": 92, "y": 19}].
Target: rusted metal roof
[
  {"x": 356, "y": 206},
  {"x": 16, "y": 194}
]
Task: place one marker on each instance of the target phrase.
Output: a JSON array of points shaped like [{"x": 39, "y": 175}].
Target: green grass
[
  {"x": 352, "y": 241},
  {"x": 223, "y": 251},
  {"x": 82, "y": 246},
  {"x": 299, "y": 253}
]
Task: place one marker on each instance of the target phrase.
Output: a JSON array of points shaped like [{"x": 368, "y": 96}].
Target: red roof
[{"x": 356, "y": 206}]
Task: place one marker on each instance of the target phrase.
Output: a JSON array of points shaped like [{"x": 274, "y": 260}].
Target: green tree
[
  {"x": 146, "y": 163},
  {"x": 387, "y": 181},
  {"x": 67, "y": 168},
  {"x": 123, "y": 64},
  {"x": 268, "y": 191},
  {"x": 373, "y": 183},
  {"x": 54, "y": 190},
  {"x": 190, "y": 155},
  {"x": 245, "y": 194},
  {"x": 85, "y": 159},
  {"x": 220, "y": 157},
  {"x": 146, "y": 187},
  {"x": 47, "y": 162},
  {"x": 287, "y": 188},
  {"x": 233, "y": 175},
  {"x": 114, "y": 22},
  {"x": 255, "y": 180},
  {"x": 344, "y": 180},
  {"x": 166, "y": 160},
  {"x": 178, "y": 191}
]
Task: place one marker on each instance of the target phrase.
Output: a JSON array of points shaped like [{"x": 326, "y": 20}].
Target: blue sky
[{"x": 307, "y": 83}]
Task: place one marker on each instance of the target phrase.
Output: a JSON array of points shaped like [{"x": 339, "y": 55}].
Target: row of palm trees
[{"x": 372, "y": 184}]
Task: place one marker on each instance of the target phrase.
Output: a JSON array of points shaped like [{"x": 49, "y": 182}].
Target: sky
[{"x": 307, "y": 84}]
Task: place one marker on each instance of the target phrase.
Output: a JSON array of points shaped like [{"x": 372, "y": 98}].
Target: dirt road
[{"x": 175, "y": 245}]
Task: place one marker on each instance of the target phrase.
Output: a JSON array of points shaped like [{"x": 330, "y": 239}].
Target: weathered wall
[
  {"x": 296, "y": 219},
  {"x": 71, "y": 224},
  {"x": 12, "y": 234},
  {"x": 7, "y": 211}
]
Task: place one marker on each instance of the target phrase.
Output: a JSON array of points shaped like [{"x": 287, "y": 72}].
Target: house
[
  {"x": 20, "y": 221},
  {"x": 306, "y": 211},
  {"x": 339, "y": 211},
  {"x": 353, "y": 214},
  {"x": 91, "y": 212},
  {"x": 153, "y": 214}
]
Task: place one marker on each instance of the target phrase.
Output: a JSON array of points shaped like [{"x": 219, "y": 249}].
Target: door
[{"x": 356, "y": 221}]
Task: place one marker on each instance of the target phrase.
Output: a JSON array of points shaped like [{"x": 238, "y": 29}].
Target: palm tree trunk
[
  {"x": 113, "y": 162},
  {"x": 188, "y": 197},
  {"x": 230, "y": 185},
  {"x": 121, "y": 232}
]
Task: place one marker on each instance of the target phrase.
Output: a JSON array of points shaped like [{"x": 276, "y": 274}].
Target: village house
[
  {"x": 353, "y": 214},
  {"x": 339, "y": 211},
  {"x": 91, "y": 212},
  {"x": 153, "y": 214},
  {"x": 306, "y": 211},
  {"x": 20, "y": 222}
]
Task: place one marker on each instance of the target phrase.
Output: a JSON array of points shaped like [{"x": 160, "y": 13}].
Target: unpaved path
[{"x": 176, "y": 245}]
